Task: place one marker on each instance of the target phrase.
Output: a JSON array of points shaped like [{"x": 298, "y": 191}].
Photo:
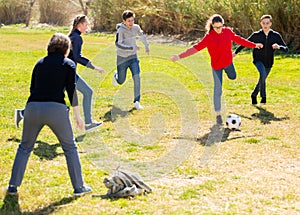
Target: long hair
[
  {"x": 81, "y": 18},
  {"x": 213, "y": 19}
]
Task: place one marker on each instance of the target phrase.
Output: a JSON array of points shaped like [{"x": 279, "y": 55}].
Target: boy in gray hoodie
[{"x": 127, "y": 33}]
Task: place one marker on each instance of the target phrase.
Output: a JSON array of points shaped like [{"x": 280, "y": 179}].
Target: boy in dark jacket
[{"x": 263, "y": 58}]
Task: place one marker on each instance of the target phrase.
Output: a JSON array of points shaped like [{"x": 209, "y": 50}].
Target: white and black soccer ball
[{"x": 233, "y": 122}]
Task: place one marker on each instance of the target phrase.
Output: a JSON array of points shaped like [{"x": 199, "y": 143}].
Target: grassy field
[{"x": 192, "y": 166}]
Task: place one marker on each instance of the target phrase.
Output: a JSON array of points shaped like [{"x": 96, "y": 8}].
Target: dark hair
[
  {"x": 213, "y": 19},
  {"x": 128, "y": 14},
  {"x": 266, "y": 16},
  {"x": 59, "y": 43},
  {"x": 81, "y": 18}
]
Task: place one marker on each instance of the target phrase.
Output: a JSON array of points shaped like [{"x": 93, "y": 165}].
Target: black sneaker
[
  {"x": 219, "y": 120},
  {"x": 263, "y": 100},
  {"x": 254, "y": 100},
  {"x": 18, "y": 117},
  {"x": 82, "y": 190},
  {"x": 12, "y": 190},
  {"x": 92, "y": 126}
]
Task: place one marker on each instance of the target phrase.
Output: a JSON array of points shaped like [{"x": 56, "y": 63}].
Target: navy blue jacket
[
  {"x": 266, "y": 54},
  {"x": 51, "y": 76},
  {"x": 75, "y": 52}
]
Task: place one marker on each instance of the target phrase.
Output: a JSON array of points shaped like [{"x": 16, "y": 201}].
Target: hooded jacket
[
  {"x": 219, "y": 47},
  {"x": 126, "y": 39}
]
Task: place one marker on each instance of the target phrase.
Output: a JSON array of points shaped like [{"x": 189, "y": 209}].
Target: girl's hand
[
  {"x": 175, "y": 57},
  {"x": 99, "y": 69}
]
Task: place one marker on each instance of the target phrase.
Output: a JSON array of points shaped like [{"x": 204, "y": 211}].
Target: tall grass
[
  {"x": 166, "y": 17},
  {"x": 189, "y": 17},
  {"x": 252, "y": 171}
]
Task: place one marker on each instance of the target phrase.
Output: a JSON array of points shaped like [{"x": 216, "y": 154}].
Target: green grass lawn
[{"x": 192, "y": 166}]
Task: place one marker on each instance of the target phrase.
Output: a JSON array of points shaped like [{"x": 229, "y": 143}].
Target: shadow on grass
[
  {"x": 266, "y": 117},
  {"x": 110, "y": 116},
  {"x": 11, "y": 206},
  {"x": 43, "y": 150},
  {"x": 115, "y": 112},
  {"x": 217, "y": 134},
  {"x": 46, "y": 151}
]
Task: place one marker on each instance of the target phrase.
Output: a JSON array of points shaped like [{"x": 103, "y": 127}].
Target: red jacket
[{"x": 219, "y": 47}]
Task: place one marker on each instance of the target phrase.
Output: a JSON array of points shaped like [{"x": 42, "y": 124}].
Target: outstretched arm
[{"x": 194, "y": 49}]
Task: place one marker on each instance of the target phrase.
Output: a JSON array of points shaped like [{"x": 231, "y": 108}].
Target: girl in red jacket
[{"x": 218, "y": 41}]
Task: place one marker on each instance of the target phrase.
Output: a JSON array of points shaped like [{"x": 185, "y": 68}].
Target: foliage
[
  {"x": 53, "y": 12},
  {"x": 168, "y": 17},
  {"x": 189, "y": 17},
  {"x": 14, "y": 11}
]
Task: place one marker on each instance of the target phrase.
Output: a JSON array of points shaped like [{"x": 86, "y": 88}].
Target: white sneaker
[
  {"x": 114, "y": 79},
  {"x": 138, "y": 106}
]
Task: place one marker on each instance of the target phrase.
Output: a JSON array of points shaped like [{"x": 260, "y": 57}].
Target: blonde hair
[
  {"x": 213, "y": 19},
  {"x": 81, "y": 18}
]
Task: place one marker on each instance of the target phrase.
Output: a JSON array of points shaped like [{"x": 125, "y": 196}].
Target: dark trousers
[
  {"x": 56, "y": 116},
  {"x": 261, "y": 84}
]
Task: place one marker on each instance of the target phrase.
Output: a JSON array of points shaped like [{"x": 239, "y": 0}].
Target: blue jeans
[
  {"x": 218, "y": 80},
  {"x": 261, "y": 84},
  {"x": 56, "y": 117},
  {"x": 87, "y": 93},
  {"x": 131, "y": 62}
]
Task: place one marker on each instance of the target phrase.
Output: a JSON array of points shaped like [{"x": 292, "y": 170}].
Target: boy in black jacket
[{"x": 263, "y": 58}]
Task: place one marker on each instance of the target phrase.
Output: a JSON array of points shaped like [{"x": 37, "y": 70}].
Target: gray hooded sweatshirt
[{"x": 126, "y": 39}]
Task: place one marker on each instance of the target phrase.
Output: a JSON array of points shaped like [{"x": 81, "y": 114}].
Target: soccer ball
[{"x": 233, "y": 122}]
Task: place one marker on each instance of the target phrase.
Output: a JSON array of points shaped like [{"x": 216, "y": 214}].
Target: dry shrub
[
  {"x": 14, "y": 11},
  {"x": 55, "y": 12}
]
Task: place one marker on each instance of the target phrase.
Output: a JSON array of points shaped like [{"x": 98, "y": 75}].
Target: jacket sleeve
[
  {"x": 119, "y": 42},
  {"x": 281, "y": 43},
  {"x": 76, "y": 49},
  {"x": 32, "y": 83},
  {"x": 195, "y": 48},
  {"x": 242, "y": 41},
  {"x": 71, "y": 84},
  {"x": 143, "y": 38},
  {"x": 240, "y": 47}
]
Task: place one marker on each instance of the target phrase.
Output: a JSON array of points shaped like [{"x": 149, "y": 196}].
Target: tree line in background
[{"x": 166, "y": 17}]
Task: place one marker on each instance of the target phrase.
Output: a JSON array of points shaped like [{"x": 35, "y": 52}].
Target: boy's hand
[{"x": 275, "y": 46}]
